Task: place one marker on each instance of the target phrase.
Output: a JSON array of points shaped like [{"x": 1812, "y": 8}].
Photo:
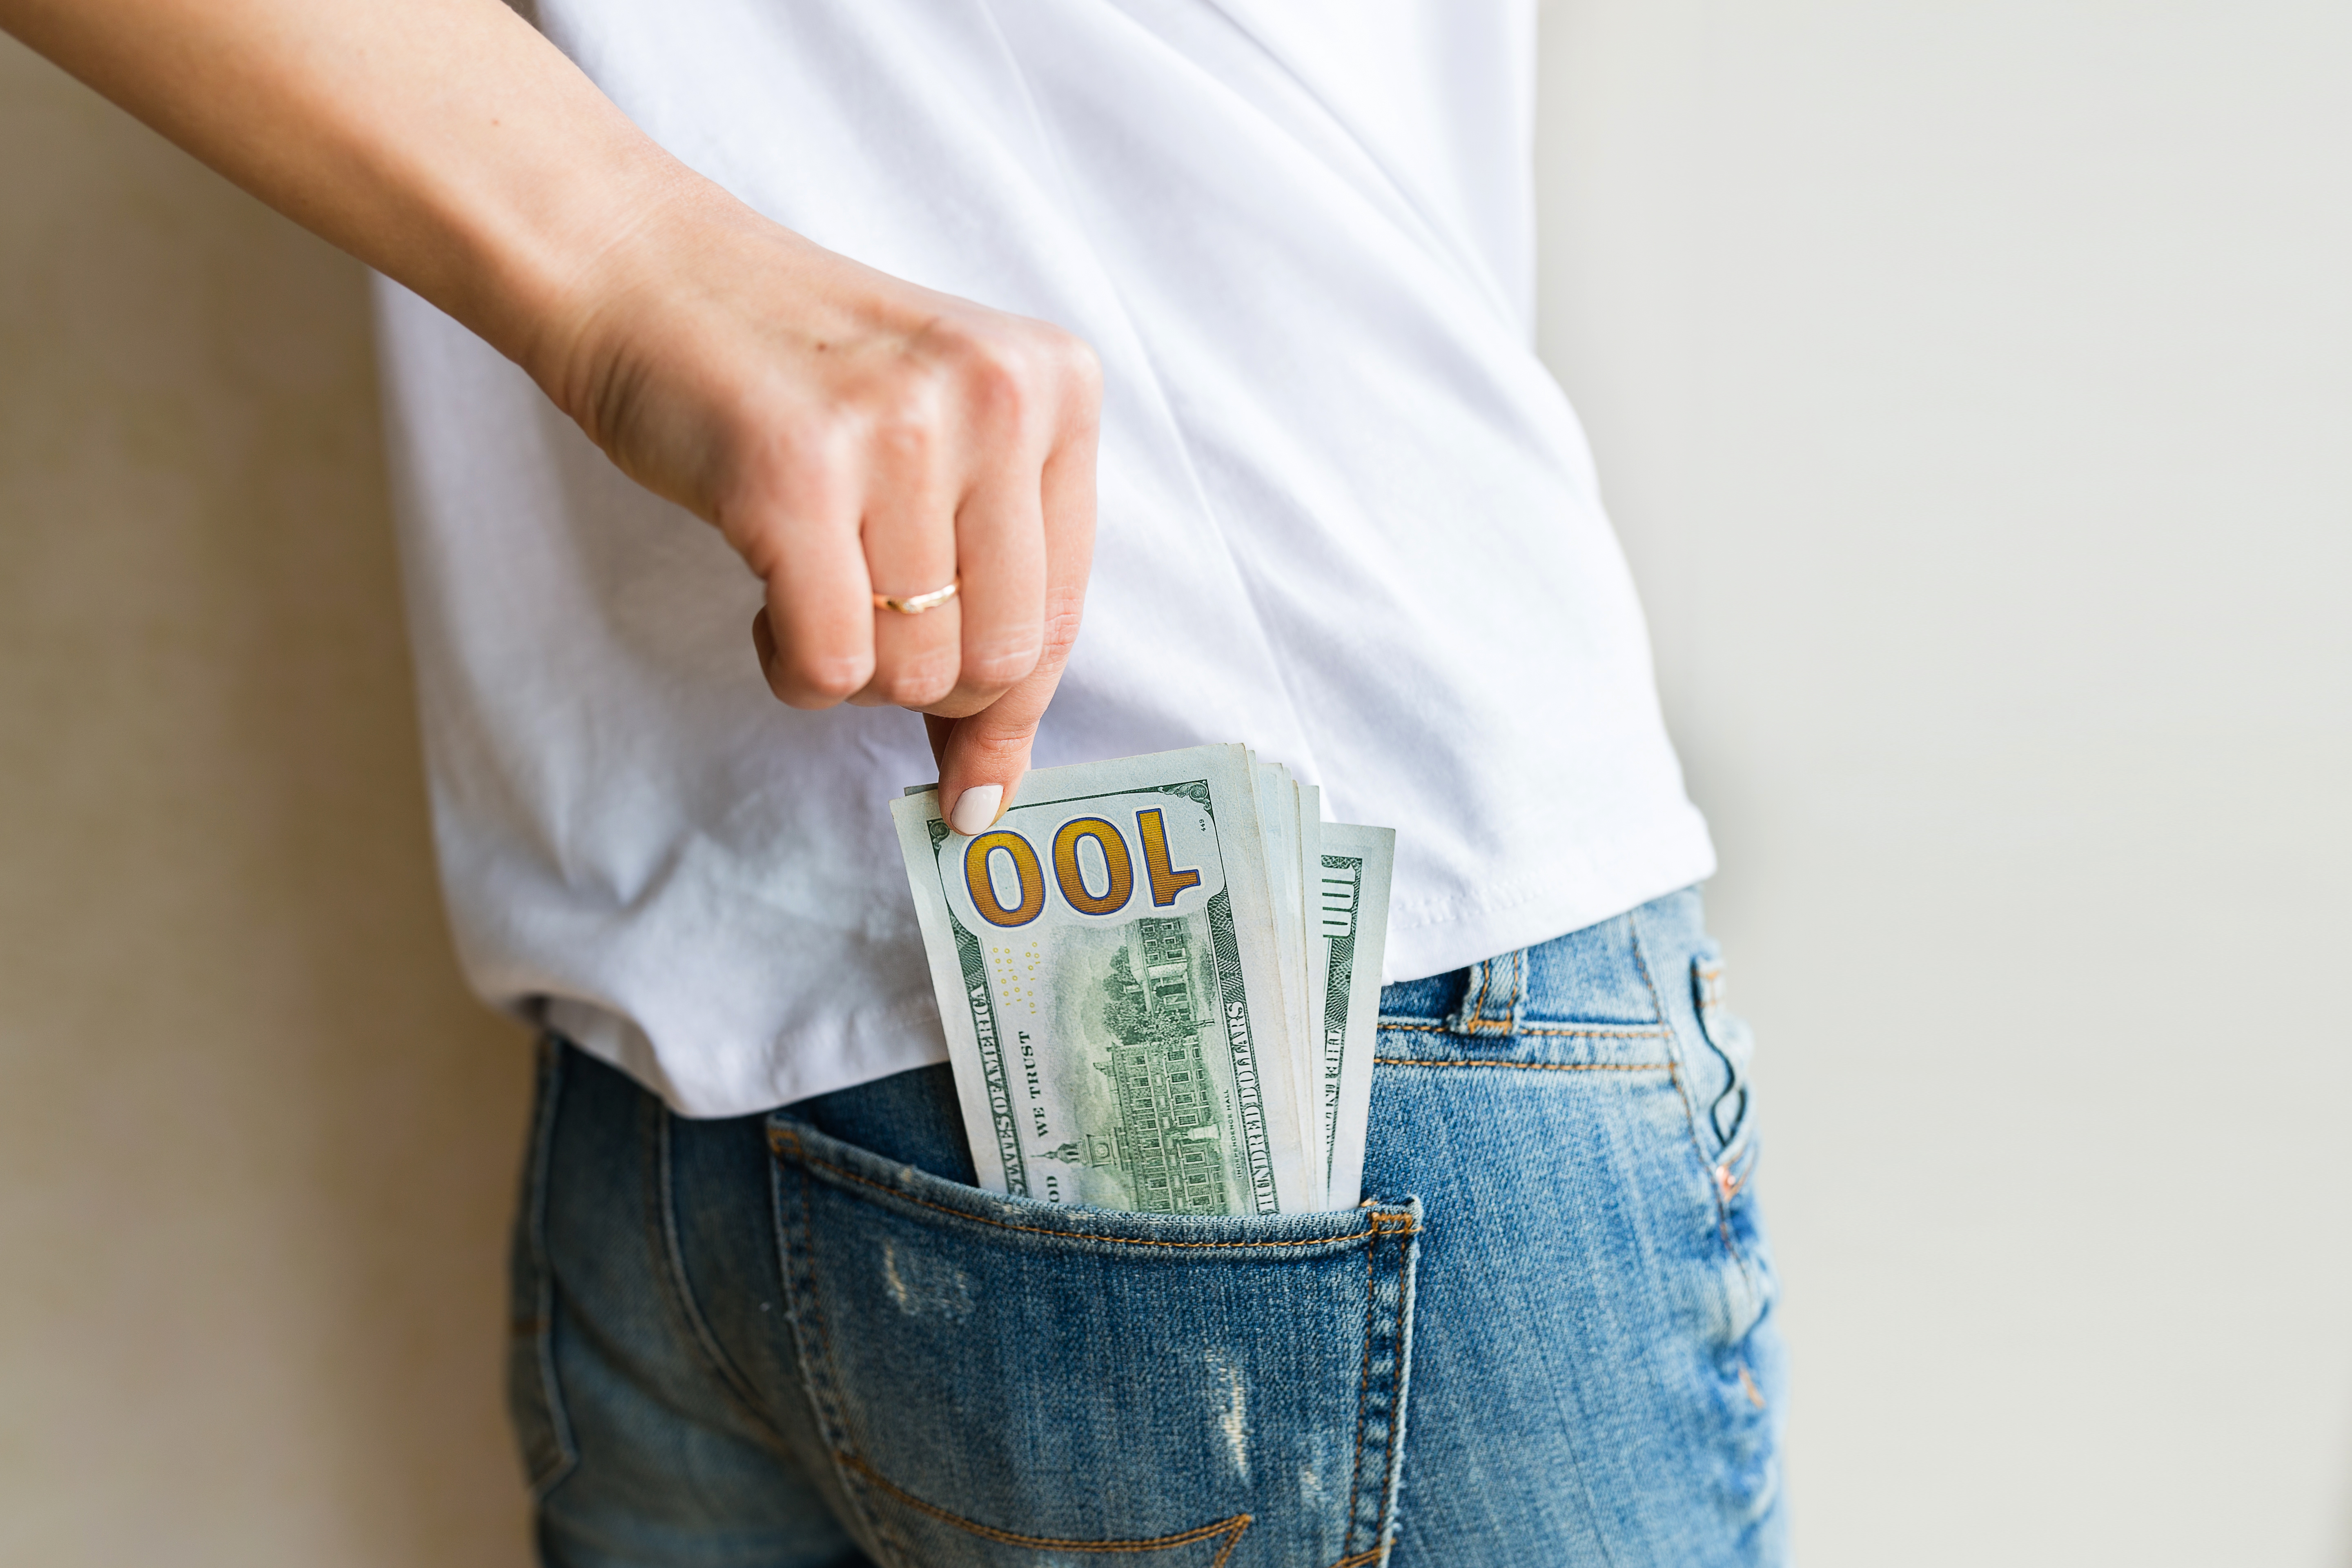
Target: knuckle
[
  {"x": 918, "y": 683},
  {"x": 958, "y": 704},
  {"x": 996, "y": 668},
  {"x": 1076, "y": 366},
  {"x": 1064, "y": 611},
  {"x": 821, "y": 681},
  {"x": 756, "y": 538},
  {"x": 800, "y": 462},
  {"x": 906, "y": 422},
  {"x": 803, "y": 436},
  {"x": 996, "y": 383},
  {"x": 1015, "y": 374}
]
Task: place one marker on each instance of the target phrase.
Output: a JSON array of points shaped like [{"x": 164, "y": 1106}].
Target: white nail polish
[{"x": 975, "y": 809}]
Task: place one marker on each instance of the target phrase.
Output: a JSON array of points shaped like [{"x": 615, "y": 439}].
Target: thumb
[{"x": 983, "y": 759}]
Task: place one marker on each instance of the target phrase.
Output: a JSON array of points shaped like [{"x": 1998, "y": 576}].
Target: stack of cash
[{"x": 1160, "y": 980}]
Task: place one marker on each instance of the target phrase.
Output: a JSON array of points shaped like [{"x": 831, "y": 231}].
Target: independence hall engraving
[{"x": 1169, "y": 1140}]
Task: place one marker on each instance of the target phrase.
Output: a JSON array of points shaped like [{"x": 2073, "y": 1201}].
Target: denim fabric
[{"x": 1546, "y": 1338}]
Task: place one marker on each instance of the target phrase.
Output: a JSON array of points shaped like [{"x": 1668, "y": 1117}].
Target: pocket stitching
[
  {"x": 741, "y": 1390},
  {"x": 1363, "y": 1387},
  {"x": 779, "y": 1136},
  {"x": 1363, "y": 1381},
  {"x": 1523, "y": 1066},
  {"x": 1383, "y": 1494},
  {"x": 832, "y": 1418},
  {"x": 1573, "y": 1031},
  {"x": 1234, "y": 1528},
  {"x": 849, "y": 1463}
]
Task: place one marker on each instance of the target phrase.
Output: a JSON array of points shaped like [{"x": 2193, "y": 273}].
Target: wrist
[
  {"x": 557, "y": 268},
  {"x": 681, "y": 275}
]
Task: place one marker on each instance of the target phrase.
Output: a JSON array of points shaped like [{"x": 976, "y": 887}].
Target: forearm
[
  {"x": 849, "y": 433},
  {"x": 442, "y": 142}
]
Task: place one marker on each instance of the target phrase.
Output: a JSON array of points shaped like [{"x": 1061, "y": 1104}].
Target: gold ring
[{"x": 916, "y": 604}]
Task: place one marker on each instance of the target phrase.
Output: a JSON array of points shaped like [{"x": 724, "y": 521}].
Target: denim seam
[
  {"x": 1474, "y": 1017},
  {"x": 1523, "y": 1066},
  {"x": 542, "y": 1327},
  {"x": 848, "y": 1464},
  {"x": 1363, "y": 1383},
  {"x": 1400, "y": 1396},
  {"x": 1474, "y": 1014},
  {"x": 1231, "y": 1528},
  {"x": 826, "y": 1402},
  {"x": 1384, "y": 1492},
  {"x": 1346, "y": 1238},
  {"x": 1381, "y": 1519},
  {"x": 1578, "y": 1031},
  {"x": 740, "y": 1389}
]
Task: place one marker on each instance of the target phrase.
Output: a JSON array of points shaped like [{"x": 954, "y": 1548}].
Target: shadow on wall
[{"x": 258, "y": 1146}]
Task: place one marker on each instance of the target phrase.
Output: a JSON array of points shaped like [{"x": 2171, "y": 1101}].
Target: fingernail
[{"x": 975, "y": 809}]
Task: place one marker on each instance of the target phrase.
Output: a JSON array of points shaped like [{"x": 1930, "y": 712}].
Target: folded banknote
[{"x": 1159, "y": 978}]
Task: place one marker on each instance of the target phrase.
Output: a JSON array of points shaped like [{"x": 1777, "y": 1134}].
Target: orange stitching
[
  {"x": 1475, "y": 1020},
  {"x": 837, "y": 1435},
  {"x": 1525, "y": 1066},
  {"x": 1363, "y": 1381},
  {"x": 808, "y": 1254},
  {"x": 1359, "y": 1560},
  {"x": 1472, "y": 1014},
  {"x": 1396, "y": 1413},
  {"x": 1578, "y": 1031},
  {"x": 1237, "y": 1526},
  {"x": 1345, "y": 1236},
  {"x": 1232, "y": 1527}
]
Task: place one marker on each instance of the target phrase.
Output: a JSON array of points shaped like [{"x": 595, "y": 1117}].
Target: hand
[{"x": 851, "y": 434}]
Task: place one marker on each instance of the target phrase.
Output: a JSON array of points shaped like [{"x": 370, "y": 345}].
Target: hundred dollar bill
[
  {"x": 1279, "y": 828},
  {"x": 1111, "y": 976},
  {"x": 1352, "y": 913}
]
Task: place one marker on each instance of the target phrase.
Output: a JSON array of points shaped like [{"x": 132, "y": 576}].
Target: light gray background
[{"x": 1971, "y": 384}]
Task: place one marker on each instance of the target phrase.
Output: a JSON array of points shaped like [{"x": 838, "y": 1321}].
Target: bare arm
[{"x": 849, "y": 433}]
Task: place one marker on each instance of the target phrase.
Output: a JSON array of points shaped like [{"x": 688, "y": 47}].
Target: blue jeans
[{"x": 803, "y": 1338}]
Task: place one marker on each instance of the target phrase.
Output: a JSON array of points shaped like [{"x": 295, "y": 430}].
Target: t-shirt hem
[
  {"x": 873, "y": 1043},
  {"x": 903, "y": 1033},
  {"x": 1449, "y": 935}
]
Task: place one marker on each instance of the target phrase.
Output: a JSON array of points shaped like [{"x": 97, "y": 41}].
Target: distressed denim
[{"x": 1546, "y": 1338}]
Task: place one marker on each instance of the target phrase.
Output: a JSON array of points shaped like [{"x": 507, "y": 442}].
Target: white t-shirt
[{"x": 1346, "y": 516}]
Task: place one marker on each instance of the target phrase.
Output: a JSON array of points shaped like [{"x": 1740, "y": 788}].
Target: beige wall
[
  {"x": 1971, "y": 379},
  {"x": 255, "y": 1143}
]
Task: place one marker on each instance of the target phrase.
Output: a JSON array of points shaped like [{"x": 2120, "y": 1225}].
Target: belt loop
[{"x": 1490, "y": 1001}]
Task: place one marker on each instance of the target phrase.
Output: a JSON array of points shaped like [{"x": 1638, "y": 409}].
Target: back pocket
[{"x": 1012, "y": 1383}]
